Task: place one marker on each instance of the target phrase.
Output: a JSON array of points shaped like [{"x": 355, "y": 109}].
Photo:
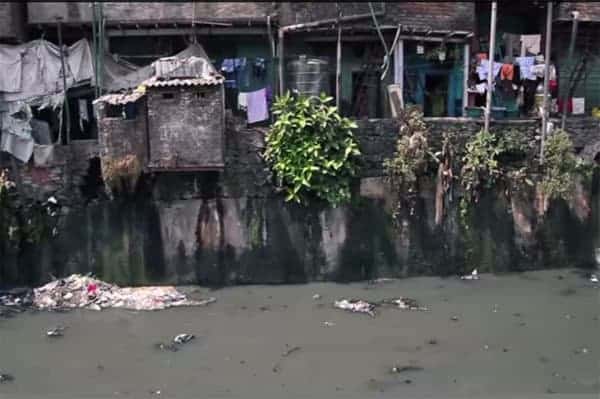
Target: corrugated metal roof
[
  {"x": 120, "y": 98},
  {"x": 210, "y": 80}
]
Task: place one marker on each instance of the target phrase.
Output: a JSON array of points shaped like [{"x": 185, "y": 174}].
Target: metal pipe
[
  {"x": 466, "y": 59},
  {"x": 545, "y": 111},
  {"x": 280, "y": 64},
  {"x": 338, "y": 64},
  {"x": 330, "y": 21},
  {"x": 565, "y": 93},
  {"x": 64, "y": 74},
  {"x": 490, "y": 80},
  {"x": 95, "y": 41}
]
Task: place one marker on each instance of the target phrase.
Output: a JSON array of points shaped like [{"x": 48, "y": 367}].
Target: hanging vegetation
[
  {"x": 562, "y": 168},
  {"x": 411, "y": 157},
  {"x": 312, "y": 150},
  {"x": 122, "y": 174}
]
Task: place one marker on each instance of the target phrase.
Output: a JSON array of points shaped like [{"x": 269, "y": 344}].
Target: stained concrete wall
[{"x": 231, "y": 227}]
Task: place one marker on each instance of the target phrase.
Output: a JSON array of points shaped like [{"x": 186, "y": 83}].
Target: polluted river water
[{"x": 518, "y": 335}]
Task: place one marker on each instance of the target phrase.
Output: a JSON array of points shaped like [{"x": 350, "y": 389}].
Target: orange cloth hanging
[{"x": 507, "y": 72}]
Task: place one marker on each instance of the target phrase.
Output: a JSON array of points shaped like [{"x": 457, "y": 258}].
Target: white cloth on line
[
  {"x": 525, "y": 64},
  {"x": 530, "y": 44},
  {"x": 20, "y": 147},
  {"x": 257, "y": 106},
  {"x": 43, "y": 155},
  {"x": 482, "y": 69},
  {"x": 243, "y": 101}
]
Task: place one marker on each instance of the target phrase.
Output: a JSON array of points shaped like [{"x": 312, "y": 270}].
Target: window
[{"x": 168, "y": 96}]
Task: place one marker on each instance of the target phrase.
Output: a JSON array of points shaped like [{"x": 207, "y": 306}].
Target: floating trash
[
  {"x": 4, "y": 377},
  {"x": 356, "y": 306},
  {"x": 594, "y": 279},
  {"x": 473, "y": 276},
  {"x": 55, "y": 332},
  {"x": 183, "y": 338},
  {"x": 405, "y": 304}
]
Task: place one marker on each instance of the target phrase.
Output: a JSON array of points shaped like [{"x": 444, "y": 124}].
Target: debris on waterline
[{"x": 473, "y": 276}]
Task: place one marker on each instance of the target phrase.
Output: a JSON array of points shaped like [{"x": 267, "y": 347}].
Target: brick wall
[
  {"x": 422, "y": 15},
  {"x": 588, "y": 11},
  {"x": 151, "y": 11},
  {"x": 119, "y": 137},
  {"x": 186, "y": 131}
]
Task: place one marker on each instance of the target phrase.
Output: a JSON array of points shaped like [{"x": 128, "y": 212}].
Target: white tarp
[{"x": 34, "y": 69}]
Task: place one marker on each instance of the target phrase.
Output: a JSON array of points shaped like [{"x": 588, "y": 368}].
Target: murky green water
[{"x": 519, "y": 335}]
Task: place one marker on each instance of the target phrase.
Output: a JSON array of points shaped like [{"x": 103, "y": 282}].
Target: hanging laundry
[
  {"x": 241, "y": 72},
  {"x": 83, "y": 109},
  {"x": 43, "y": 155},
  {"x": 228, "y": 65},
  {"x": 257, "y": 106},
  {"x": 242, "y": 101},
  {"x": 482, "y": 69},
  {"x": 507, "y": 72},
  {"x": 525, "y": 64},
  {"x": 40, "y": 131},
  {"x": 259, "y": 68},
  {"x": 530, "y": 44}
]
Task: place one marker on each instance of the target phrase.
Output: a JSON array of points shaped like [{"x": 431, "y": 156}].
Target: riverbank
[{"x": 518, "y": 335}]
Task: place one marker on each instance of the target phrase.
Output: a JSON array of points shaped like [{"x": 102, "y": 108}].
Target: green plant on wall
[
  {"x": 481, "y": 168},
  {"x": 562, "y": 168},
  {"x": 312, "y": 150}
]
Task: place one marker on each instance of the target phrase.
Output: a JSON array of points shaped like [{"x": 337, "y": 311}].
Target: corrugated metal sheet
[
  {"x": 203, "y": 81},
  {"x": 119, "y": 99}
]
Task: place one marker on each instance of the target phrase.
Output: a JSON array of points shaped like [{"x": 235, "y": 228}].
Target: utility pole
[
  {"x": 490, "y": 80},
  {"x": 545, "y": 111},
  {"x": 338, "y": 65},
  {"x": 64, "y": 75}
]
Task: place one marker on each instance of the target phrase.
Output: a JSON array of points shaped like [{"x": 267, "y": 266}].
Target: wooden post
[
  {"x": 467, "y": 53},
  {"x": 490, "y": 80},
  {"x": 64, "y": 73},
  {"x": 545, "y": 111}
]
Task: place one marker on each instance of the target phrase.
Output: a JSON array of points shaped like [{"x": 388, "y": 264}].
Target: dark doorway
[{"x": 436, "y": 95}]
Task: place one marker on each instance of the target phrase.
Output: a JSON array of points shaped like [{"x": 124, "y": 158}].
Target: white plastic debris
[
  {"x": 183, "y": 338},
  {"x": 328, "y": 323},
  {"x": 55, "y": 332},
  {"x": 407, "y": 304},
  {"x": 594, "y": 279},
  {"x": 52, "y": 200},
  {"x": 357, "y": 306},
  {"x": 77, "y": 291},
  {"x": 316, "y": 297},
  {"x": 473, "y": 276}
]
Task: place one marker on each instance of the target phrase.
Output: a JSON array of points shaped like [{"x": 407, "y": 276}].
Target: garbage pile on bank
[{"x": 78, "y": 291}]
